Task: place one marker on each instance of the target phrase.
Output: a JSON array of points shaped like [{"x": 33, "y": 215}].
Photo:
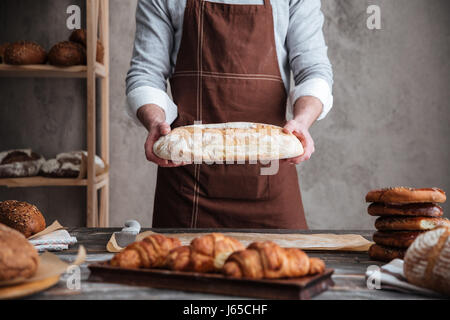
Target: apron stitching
[
  {"x": 229, "y": 77},
  {"x": 193, "y": 72}
]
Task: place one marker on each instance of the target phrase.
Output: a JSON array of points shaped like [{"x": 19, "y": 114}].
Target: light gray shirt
[{"x": 299, "y": 43}]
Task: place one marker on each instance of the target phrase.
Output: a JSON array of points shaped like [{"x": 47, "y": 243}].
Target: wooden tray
[
  {"x": 27, "y": 288},
  {"x": 292, "y": 289}
]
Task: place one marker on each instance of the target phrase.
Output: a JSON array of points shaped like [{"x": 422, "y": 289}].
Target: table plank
[{"x": 349, "y": 273}]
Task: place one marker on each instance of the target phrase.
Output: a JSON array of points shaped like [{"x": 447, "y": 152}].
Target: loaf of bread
[
  {"x": 205, "y": 254},
  {"x": 415, "y": 209},
  {"x": 71, "y": 164},
  {"x": 151, "y": 252},
  {"x": 398, "y": 239},
  {"x": 18, "y": 258},
  {"x": 410, "y": 223},
  {"x": 2, "y": 51},
  {"x": 20, "y": 163},
  {"x": 24, "y": 52},
  {"x": 406, "y": 195},
  {"x": 233, "y": 141},
  {"x": 79, "y": 36},
  {"x": 21, "y": 216},
  {"x": 427, "y": 261},
  {"x": 268, "y": 260},
  {"x": 385, "y": 253},
  {"x": 67, "y": 54}
]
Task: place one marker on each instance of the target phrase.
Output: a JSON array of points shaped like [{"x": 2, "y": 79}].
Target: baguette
[{"x": 232, "y": 141}]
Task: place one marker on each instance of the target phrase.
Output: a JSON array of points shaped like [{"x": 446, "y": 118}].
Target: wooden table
[{"x": 349, "y": 273}]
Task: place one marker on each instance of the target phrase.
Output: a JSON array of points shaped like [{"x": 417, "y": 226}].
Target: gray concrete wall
[{"x": 389, "y": 125}]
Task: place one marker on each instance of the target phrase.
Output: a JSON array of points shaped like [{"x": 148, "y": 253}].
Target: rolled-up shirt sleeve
[
  {"x": 146, "y": 81},
  {"x": 308, "y": 58}
]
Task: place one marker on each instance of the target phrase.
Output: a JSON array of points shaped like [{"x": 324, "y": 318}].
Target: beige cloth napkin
[{"x": 327, "y": 242}]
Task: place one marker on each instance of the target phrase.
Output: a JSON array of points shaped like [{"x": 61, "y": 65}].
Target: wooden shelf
[
  {"x": 46, "y": 70},
  {"x": 38, "y": 181}
]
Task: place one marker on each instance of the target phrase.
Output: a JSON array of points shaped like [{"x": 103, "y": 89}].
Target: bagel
[
  {"x": 383, "y": 253},
  {"x": 421, "y": 209},
  {"x": 24, "y": 52},
  {"x": 410, "y": 223},
  {"x": 406, "y": 195},
  {"x": 79, "y": 36},
  {"x": 398, "y": 239},
  {"x": 66, "y": 54}
]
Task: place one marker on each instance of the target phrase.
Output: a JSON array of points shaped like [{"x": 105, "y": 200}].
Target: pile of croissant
[{"x": 218, "y": 253}]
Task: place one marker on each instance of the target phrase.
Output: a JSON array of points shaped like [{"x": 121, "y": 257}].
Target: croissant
[
  {"x": 205, "y": 254},
  {"x": 268, "y": 260},
  {"x": 151, "y": 252}
]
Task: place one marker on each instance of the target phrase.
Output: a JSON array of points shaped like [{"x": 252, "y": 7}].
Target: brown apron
[{"x": 227, "y": 70}]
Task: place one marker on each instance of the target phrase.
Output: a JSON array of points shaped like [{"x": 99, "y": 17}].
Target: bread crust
[
  {"x": 233, "y": 141},
  {"x": 415, "y": 209},
  {"x": 410, "y": 223},
  {"x": 24, "y": 52},
  {"x": 384, "y": 253},
  {"x": 18, "y": 258},
  {"x": 427, "y": 261},
  {"x": 67, "y": 54},
  {"x": 20, "y": 163},
  {"x": 21, "y": 216},
  {"x": 406, "y": 195},
  {"x": 398, "y": 239},
  {"x": 79, "y": 36}
]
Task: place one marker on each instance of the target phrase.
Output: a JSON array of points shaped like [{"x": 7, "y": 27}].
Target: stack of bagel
[{"x": 403, "y": 214}]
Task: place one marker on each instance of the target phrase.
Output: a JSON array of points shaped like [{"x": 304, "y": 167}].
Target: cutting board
[
  {"x": 27, "y": 288},
  {"x": 292, "y": 288}
]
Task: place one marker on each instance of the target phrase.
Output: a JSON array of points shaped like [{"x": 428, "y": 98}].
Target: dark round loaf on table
[
  {"x": 406, "y": 195},
  {"x": 20, "y": 163},
  {"x": 24, "y": 52},
  {"x": 2, "y": 50},
  {"x": 410, "y": 223},
  {"x": 18, "y": 257},
  {"x": 21, "y": 216},
  {"x": 415, "y": 209},
  {"x": 398, "y": 239},
  {"x": 67, "y": 54},
  {"x": 384, "y": 253},
  {"x": 79, "y": 36}
]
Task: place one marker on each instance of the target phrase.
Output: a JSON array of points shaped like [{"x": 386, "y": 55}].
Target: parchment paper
[
  {"x": 326, "y": 242},
  {"x": 53, "y": 227},
  {"x": 49, "y": 266}
]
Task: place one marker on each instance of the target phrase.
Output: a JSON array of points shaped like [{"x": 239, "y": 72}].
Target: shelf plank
[
  {"x": 39, "y": 181},
  {"x": 49, "y": 71}
]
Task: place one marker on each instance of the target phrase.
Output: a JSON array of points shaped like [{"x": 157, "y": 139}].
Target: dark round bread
[
  {"x": 410, "y": 223},
  {"x": 398, "y": 239},
  {"x": 406, "y": 195},
  {"x": 18, "y": 257},
  {"x": 2, "y": 50},
  {"x": 383, "y": 253},
  {"x": 415, "y": 209},
  {"x": 66, "y": 54},
  {"x": 21, "y": 216},
  {"x": 79, "y": 36},
  {"x": 24, "y": 52}
]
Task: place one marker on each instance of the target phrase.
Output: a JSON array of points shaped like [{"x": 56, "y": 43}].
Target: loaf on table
[
  {"x": 21, "y": 216},
  {"x": 18, "y": 258},
  {"x": 205, "y": 254},
  {"x": 227, "y": 141},
  {"x": 268, "y": 260},
  {"x": 151, "y": 252},
  {"x": 427, "y": 261}
]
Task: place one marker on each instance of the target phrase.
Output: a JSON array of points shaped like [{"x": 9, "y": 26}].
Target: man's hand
[
  {"x": 306, "y": 111},
  {"x": 154, "y": 119},
  {"x": 302, "y": 133}
]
